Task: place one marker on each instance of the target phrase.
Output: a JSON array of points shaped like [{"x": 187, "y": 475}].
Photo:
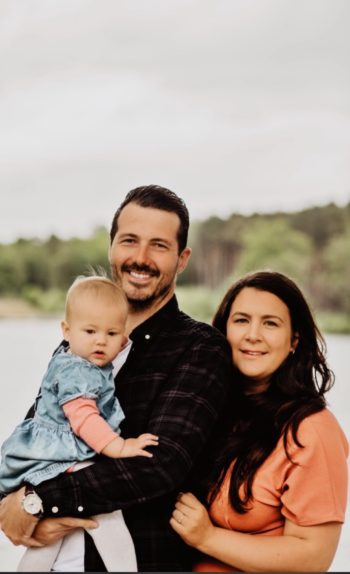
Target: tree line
[{"x": 311, "y": 246}]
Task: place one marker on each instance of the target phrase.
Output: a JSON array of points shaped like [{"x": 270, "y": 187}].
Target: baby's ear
[
  {"x": 65, "y": 330},
  {"x": 124, "y": 343}
]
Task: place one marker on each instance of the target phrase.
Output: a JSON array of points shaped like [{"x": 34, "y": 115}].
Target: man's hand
[
  {"x": 22, "y": 528},
  {"x": 49, "y": 530},
  {"x": 17, "y": 524}
]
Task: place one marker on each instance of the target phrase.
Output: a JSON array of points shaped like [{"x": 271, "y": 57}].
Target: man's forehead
[{"x": 148, "y": 220}]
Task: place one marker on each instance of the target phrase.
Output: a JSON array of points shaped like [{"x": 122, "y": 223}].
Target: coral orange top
[{"x": 311, "y": 492}]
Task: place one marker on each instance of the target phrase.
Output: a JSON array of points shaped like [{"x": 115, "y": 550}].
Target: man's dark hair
[{"x": 157, "y": 197}]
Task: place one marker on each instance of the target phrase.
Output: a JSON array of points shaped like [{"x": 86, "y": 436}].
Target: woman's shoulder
[
  {"x": 322, "y": 422},
  {"x": 322, "y": 429}
]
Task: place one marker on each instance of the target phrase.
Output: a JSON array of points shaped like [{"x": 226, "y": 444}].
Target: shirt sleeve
[
  {"x": 183, "y": 415},
  {"x": 87, "y": 423},
  {"x": 315, "y": 489},
  {"x": 78, "y": 379}
]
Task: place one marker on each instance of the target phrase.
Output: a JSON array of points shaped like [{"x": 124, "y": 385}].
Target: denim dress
[{"x": 44, "y": 446}]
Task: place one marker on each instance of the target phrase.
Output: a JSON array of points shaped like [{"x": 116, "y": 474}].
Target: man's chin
[{"x": 141, "y": 303}]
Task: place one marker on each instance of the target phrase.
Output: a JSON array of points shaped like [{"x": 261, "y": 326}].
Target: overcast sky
[{"x": 236, "y": 105}]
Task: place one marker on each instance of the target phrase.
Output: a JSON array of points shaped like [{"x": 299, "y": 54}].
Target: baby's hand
[{"x": 136, "y": 446}]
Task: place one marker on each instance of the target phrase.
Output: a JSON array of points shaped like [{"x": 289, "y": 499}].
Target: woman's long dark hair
[{"x": 296, "y": 391}]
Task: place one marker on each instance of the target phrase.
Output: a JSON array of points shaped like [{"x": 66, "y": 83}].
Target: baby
[{"x": 76, "y": 416}]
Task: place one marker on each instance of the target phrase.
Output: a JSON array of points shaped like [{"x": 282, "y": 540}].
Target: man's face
[{"x": 144, "y": 255}]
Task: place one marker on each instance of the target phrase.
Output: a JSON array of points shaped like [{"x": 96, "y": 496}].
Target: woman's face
[{"x": 260, "y": 333}]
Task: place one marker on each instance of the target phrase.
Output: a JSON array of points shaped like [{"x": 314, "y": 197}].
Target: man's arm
[{"x": 183, "y": 416}]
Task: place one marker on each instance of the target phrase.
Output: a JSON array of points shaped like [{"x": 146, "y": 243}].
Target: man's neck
[{"x": 138, "y": 316}]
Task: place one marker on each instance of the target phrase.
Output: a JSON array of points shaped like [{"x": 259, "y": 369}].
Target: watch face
[{"x": 32, "y": 504}]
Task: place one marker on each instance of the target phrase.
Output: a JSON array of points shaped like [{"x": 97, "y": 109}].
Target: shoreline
[{"x": 16, "y": 308}]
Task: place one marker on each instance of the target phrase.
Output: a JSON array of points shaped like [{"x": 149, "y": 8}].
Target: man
[{"x": 173, "y": 384}]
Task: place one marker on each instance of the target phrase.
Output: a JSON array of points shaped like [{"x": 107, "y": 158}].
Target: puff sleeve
[{"x": 78, "y": 379}]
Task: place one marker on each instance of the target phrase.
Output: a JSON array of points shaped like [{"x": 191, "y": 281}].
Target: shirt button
[
  {"x": 147, "y": 337},
  {"x": 54, "y": 509},
  {"x": 80, "y": 508}
]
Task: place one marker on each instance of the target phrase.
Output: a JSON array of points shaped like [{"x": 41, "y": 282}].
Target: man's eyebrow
[
  {"x": 128, "y": 234},
  {"x": 161, "y": 240}
]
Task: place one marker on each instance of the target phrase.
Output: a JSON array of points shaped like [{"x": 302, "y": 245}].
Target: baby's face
[{"x": 96, "y": 330}]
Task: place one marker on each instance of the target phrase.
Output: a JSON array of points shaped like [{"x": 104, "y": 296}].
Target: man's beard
[{"x": 137, "y": 303}]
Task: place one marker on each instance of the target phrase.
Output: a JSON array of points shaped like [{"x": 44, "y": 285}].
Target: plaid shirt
[{"x": 174, "y": 384}]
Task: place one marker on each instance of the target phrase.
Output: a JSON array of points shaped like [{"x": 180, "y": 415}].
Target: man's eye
[{"x": 127, "y": 241}]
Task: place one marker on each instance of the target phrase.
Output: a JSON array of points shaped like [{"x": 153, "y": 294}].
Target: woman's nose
[{"x": 253, "y": 332}]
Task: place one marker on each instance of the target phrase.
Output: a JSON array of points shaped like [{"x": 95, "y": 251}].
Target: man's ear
[
  {"x": 65, "y": 330},
  {"x": 183, "y": 259}
]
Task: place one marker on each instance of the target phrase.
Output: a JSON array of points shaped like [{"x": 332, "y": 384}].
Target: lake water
[{"x": 26, "y": 346}]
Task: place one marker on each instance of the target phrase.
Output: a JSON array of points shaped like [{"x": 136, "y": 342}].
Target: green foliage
[
  {"x": 274, "y": 245},
  {"x": 321, "y": 223},
  {"x": 48, "y": 301},
  {"x": 199, "y": 302},
  {"x": 335, "y": 275},
  {"x": 333, "y": 322},
  {"x": 311, "y": 246}
]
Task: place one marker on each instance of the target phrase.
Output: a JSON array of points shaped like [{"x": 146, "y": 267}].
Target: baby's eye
[{"x": 89, "y": 331}]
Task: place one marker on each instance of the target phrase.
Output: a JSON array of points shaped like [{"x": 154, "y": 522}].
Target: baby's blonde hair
[{"x": 98, "y": 286}]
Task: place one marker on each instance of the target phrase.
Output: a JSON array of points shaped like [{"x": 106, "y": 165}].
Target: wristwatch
[{"x": 31, "y": 502}]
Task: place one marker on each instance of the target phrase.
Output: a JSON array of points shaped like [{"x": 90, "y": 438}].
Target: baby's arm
[
  {"x": 87, "y": 423},
  {"x": 125, "y": 448}
]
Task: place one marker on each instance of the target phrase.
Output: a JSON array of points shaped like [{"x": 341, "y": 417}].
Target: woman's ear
[
  {"x": 295, "y": 342},
  {"x": 65, "y": 330}
]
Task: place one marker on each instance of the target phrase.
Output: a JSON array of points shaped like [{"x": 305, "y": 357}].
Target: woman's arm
[{"x": 299, "y": 549}]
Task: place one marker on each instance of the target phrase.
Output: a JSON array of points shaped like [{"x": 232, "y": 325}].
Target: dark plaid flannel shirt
[{"x": 174, "y": 384}]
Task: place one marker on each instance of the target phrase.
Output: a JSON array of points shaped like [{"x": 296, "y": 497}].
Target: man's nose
[{"x": 141, "y": 255}]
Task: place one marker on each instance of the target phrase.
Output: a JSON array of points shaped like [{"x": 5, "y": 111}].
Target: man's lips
[
  {"x": 140, "y": 276},
  {"x": 140, "y": 272}
]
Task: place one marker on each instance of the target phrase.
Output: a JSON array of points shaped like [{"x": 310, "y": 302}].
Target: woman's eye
[
  {"x": 240, "y": 320},
  {"x": 271, "y": 323}
]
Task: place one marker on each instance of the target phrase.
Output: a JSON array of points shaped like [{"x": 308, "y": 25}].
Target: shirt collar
[{"x": 151, "y": 326}]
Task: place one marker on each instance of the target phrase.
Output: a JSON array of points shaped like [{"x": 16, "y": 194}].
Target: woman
[{"x": 277, "y": 491}]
